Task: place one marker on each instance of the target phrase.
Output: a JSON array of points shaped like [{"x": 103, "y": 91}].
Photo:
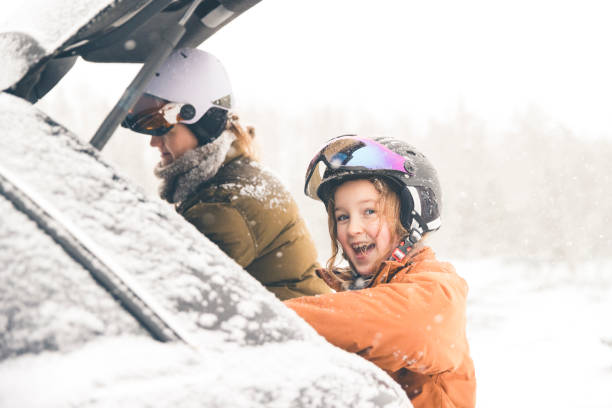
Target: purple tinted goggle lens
[
  {"x": 362, "y": 153},
  {"x": 350, "y": 153}
]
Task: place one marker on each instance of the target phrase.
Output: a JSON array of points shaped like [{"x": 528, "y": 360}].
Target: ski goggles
[
  {"x": 156, "y": 116},
  {"x": 346, "y": 153}
]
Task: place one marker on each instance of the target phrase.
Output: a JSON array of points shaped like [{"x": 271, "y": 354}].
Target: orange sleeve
[{"x": 418, "y": 324}]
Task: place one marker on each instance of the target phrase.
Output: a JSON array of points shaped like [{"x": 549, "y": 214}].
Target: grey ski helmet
[
  {"x": 407, "y": 170},
  {"x": 192, "y": 88}
]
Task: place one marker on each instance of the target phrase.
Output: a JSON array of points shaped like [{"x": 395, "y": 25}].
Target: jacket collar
[{"x": 390, "y": 268}]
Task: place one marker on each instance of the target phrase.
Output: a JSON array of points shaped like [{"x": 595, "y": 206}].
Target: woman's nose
[{"x": 155, "y": 141}]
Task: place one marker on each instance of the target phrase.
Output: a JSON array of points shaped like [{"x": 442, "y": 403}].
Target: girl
[
  {"x": 209, "y": 173},
  {"x": 395, "y": 304}
]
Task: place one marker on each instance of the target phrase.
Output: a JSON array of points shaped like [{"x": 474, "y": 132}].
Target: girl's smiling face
[{"x": 362, "y": 230}]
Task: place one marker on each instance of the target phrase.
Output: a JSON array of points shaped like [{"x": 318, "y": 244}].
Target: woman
[
  {"x": 395, "y": 305},
  {"x": 208, "y": 171}
]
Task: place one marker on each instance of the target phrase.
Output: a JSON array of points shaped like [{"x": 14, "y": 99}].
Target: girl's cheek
[
  {"x": 374, "y": 226},
  {"x": 344, "y": 248}
]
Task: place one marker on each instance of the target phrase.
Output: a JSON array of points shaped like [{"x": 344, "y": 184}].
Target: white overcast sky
[
  {"x": 495, "y": 58},
  {"x": 420, "y": 59}
]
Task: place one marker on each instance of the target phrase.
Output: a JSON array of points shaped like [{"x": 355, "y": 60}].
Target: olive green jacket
[{"x": 249, "y": 214}]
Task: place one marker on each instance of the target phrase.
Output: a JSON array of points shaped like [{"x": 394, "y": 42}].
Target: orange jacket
[{"x": 410, "y": 322}]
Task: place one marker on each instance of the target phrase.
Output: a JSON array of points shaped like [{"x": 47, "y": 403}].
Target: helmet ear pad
[
  {"x": 210, "y": 125},
  {"x": 406, "y": 207},
  {"x": 426, "y": 211}
]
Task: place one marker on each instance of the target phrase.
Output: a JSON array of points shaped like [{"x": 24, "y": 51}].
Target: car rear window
[{"x": 48, "y": 301}]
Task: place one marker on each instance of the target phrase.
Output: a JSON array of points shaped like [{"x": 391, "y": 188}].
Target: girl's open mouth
[{"x": 362, "y": 250}]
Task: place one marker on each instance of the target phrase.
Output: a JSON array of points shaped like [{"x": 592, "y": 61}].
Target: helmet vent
[
  {"x": 225, "y": 102},
  {"x": 409, "y": 166}
]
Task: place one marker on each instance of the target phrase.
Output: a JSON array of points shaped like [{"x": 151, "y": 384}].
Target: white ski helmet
[{"x": 192, "y": 88}]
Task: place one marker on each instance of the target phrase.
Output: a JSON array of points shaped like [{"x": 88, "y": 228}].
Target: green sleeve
[{"x": 225, "y": 226}]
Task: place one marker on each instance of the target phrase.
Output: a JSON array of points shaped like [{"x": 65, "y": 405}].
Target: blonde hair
[
  {"x": 244, "y": 138},
  {"x": 388, "y": 206}
]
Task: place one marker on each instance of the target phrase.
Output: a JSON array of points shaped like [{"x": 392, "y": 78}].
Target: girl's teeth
[{"x": 363, "y": 248}]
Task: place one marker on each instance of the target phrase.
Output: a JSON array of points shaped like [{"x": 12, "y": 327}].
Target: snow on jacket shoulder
[
  {"x": 248, "y": 213},
  {"x": 410, "y": 322}
]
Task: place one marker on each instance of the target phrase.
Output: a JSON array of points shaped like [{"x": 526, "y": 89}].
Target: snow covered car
[{"x": 108, "y": 298}]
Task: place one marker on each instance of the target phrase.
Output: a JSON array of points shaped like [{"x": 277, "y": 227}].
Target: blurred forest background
[{"x": 532, "y": 192}]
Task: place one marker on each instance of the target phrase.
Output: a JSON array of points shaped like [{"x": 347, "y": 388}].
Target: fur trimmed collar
[{"x": 182, "y": 177}]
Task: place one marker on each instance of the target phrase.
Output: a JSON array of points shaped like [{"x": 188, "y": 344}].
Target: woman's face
[
  {"x": 175, "y": 143},
  {"x": 363, "y": 232}
]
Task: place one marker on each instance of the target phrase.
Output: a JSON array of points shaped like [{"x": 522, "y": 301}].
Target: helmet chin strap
[{"x": 406, "y": 243}]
